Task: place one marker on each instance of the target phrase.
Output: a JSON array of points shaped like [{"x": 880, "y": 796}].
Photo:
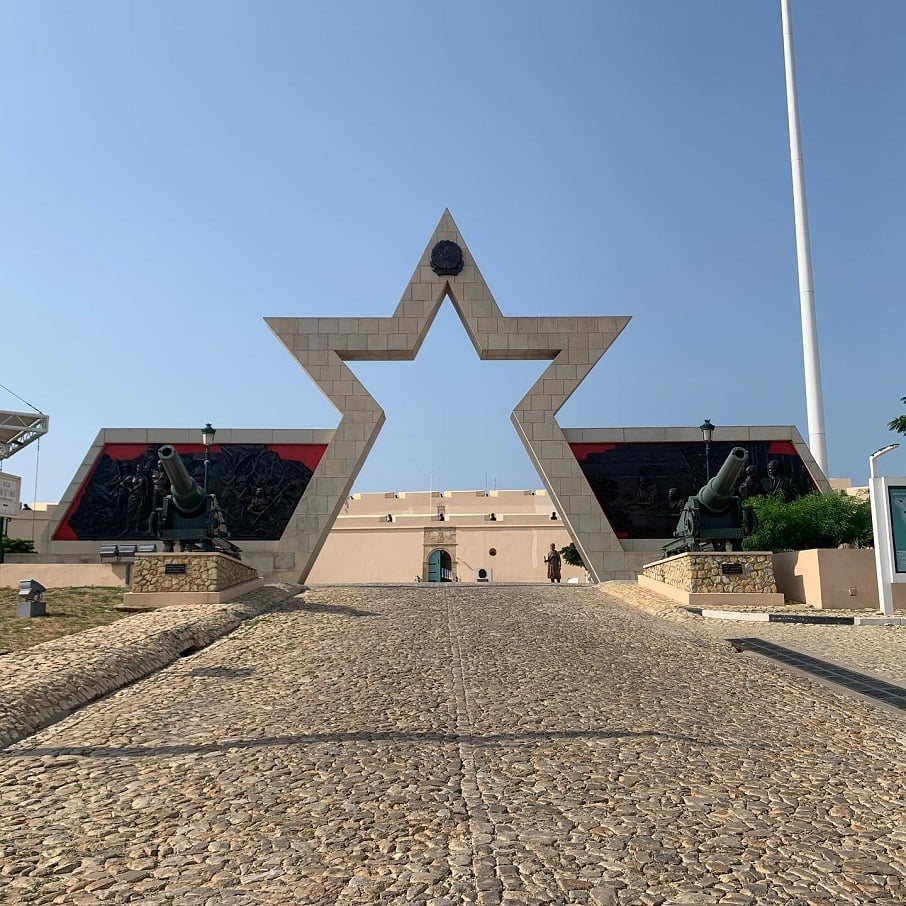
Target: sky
[{"x": 172, "y": 173}]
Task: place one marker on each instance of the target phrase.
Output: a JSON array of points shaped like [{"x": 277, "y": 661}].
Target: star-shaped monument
[{"x": 323, "y": 346}]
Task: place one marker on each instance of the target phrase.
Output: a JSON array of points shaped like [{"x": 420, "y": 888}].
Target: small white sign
[{"x": 10, "y": 489}]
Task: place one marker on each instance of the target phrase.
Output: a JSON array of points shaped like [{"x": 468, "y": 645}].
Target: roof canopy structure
[{"x": 19, "y": 429}]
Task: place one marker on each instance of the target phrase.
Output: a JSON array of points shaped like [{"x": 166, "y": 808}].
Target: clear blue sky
[{"x": 172, "y": 173}]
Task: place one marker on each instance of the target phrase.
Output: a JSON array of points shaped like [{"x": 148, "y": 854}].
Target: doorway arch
[{"x": 440, "y": 566}]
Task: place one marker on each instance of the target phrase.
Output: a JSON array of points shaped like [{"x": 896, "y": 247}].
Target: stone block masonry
[
  {"x": 702, "y": 571},
  {"x": 728, "y": 577},
  {"x": 189, "y": 572},
  {"x": 168, "y": 580}
]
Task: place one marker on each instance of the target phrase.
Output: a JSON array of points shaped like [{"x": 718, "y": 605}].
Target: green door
[{"x": 434, "y": 567}]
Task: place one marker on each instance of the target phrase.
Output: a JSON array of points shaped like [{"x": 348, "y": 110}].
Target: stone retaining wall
[
  {"x": 204, "y": 572},
  {"x": 44, "y": 683},
  {"x": 699, "y": 572}
]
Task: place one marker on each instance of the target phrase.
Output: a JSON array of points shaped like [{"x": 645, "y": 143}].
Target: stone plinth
[
  {"x": 712, "y": 578},
  {"x": 162, "y": 580}
]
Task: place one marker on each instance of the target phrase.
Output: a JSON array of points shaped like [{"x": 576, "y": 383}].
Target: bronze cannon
[
  {"x": 715, "y": 517},
  {"x": 188, "y": 516}
]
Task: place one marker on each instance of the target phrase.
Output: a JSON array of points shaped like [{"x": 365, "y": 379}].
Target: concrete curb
[
  {"x": 656, "y": 604},
  {"x": 814, "y": 619},
  {"x": 45, "y": 683}
]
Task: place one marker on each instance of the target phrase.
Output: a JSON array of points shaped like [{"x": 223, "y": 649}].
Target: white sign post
[{"x": 888, "y": 522}]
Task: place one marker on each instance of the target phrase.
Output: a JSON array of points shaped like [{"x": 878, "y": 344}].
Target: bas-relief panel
[
  {"x": 258, "y": 486},
  {"x": 642, "y": 486}
]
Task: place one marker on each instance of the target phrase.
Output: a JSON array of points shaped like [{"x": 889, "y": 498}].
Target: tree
[
  {"x": 899, "y": 423},
  {"x": 571, "y": 556},
  {"x": 18, "y": 546},
  {"x": 815, "y": 520}
]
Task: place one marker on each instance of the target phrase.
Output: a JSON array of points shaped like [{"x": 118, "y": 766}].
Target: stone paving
[
  {"x": 43, "y": 683},
  {"x": 876, "y": 650},
  {"x": 460, "y": 744}
]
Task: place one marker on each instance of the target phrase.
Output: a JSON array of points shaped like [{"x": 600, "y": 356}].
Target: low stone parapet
[
  {"x": 44, "y": 683},
  {"x": 711, "y": 577},
  {"x": 161, "y": 580}
]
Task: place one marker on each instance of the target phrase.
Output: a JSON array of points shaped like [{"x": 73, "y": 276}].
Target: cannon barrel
[
  {"x": 185, "y": 492},
  {"x": 719, "y": 492}
]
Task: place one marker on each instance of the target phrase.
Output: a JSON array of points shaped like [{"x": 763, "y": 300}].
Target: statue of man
[
  {"x": 160, "y": 488},
  {"x": 675, "y": 500},
  {"x": 257, "y": 506},
  {"x": 553, "y": 564},
  {"x": 133, "y": 485},
  {"x": 648, "y": 494},
  {"x": 778, "y": 485},
  {"x": 751, "y": 485}
]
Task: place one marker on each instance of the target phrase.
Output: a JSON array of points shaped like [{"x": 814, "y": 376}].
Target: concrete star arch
[{"x": 322, "y": 346}]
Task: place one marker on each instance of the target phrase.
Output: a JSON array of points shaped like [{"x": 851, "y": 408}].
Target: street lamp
[
  {"x": 877, "y": 455},
  {"x": 707, "y": 430},
  {"x": 207, "y": 438},
  {"x": 880, "y": 518}
]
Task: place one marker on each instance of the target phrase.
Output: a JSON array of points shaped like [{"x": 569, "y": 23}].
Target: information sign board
[{"x": 897, "y": 498}]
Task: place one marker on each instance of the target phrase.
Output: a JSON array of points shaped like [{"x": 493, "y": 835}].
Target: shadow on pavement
[
  {"x": 338, "y": 739},
  {"x": 888, "y": 693},
  {"x": 336, "y": 609},
  {"x": 224, "y": 672}
]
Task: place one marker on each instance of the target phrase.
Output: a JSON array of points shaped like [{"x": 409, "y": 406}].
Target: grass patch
[{"x": 69, "y": 610}]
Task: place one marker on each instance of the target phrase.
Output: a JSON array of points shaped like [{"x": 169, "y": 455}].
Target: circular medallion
[{"x": 446, "y": 258}]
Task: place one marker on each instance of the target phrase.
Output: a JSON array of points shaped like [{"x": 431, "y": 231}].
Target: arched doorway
[{"x": 440, "y": 567}]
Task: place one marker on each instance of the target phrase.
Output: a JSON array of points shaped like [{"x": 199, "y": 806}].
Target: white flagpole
[{"x": 814, "y": 400}]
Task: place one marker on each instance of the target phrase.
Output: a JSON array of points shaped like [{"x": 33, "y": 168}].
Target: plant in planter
[
  {"x": 813, "y": 521},
  {"x": 17, "y": 546}
]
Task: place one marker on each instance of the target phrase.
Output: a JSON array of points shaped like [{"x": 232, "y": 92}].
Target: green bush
[
  {"x": 571, "y": 556},
  {"x": 17, "y": 546},
  {"x": 815, "y": 520}
]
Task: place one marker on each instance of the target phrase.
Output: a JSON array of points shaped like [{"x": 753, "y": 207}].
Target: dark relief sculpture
[
  {"x": 642, "y": 486},
  {"x": 446, "y": 259},
  {"x": 257, "y": 491}
]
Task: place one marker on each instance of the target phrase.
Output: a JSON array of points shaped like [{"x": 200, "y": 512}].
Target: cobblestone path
[
  {"x": 876, "y": 650},
  {"x": 454, "y": 744}
]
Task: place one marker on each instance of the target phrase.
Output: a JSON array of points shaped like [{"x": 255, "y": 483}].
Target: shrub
[
  {"x": 18, "y": 546},
  {"x": 815, "y": 520},
  {"x": 571, "y": 556}
]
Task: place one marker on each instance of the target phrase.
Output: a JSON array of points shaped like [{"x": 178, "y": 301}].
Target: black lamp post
[
  {"x": 707, "y": 430},
  {"x": 207, "y": 438}
]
